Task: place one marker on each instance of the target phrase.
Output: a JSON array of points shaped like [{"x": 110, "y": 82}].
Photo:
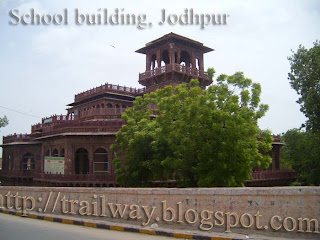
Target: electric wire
[{"x": 27, "y": 114}]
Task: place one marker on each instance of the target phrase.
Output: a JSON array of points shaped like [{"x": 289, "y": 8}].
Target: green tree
[
  {"x": 3, "y": 121},
  {"x": 305, "y": 79},
  {"x": 301, "y": 153},
  {"x": 302, "y": 149},
  {"x": 197, "y": 137}
]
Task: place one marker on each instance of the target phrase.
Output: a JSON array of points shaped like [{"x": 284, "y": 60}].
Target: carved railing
[
  {"x": 273, "y": 174},
  {"x": 80, "y": 126},
  {"x": 276, "y": 138},
  {"x": 65, "y": 178},
  {"x": 36, "y": 128},
  {"x": 109, "y": 88},
  {"x": 57, "y": 119},
  {"x": 75, "y": 177},
  {"x": 71, "y": 123},
  {"x": 101, "y": 112},
  {"x": 17, "y": 138},
  {"x": 174, "y": 67},
  {"x": 15, "y": 174},
  {"x": 110, "y": 178}
]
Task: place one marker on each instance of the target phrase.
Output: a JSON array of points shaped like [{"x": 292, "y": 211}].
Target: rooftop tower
[{"x": 172, "y": 60}]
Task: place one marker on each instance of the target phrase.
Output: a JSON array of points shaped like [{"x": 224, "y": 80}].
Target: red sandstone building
[{"x": 74, "y": 149}]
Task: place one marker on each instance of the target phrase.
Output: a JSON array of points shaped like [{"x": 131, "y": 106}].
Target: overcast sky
[{"x": 43, "y": 67}]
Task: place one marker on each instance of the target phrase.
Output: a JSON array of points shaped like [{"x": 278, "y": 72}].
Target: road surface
[{"x": 14, "y": 227}]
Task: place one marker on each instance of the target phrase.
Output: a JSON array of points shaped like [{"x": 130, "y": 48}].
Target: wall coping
[{"x": 257, "y": 191}]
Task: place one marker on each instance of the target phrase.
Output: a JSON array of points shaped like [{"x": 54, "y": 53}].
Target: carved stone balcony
[
  {"x": 34, "y": 178},
  {"x": 178, "y": 72},
  {"x": 77, "y": 126},
  {"x": 270, "y": 178},
  {"x": 16, "y": 138},
  {"x": 20, "y": 138},
  {"x": 108, "y": 88},
  {"x": 36, "y": 128}
]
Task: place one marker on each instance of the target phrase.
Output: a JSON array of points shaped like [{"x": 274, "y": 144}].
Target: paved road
[{"x": 13, "y": 227}]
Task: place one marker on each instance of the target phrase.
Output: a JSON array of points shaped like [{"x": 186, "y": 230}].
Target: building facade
[{"x": 74, "y": 149}]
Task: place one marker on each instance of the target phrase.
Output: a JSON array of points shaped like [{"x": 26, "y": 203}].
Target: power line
[{"x": 20, "y": 112}]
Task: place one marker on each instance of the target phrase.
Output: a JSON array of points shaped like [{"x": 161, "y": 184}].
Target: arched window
[
  {"x": 100, "y": 160},
  {"x": 62, "y": 152},
  {"x": 185, "y": 58},
  {"x": 109, "y": 105},
  {"x": 97, "y": 109},
  {"x": 7, "y": 163},
  {"x": 165, "y": 57},
  {"x": 48, "y": 153},
  {"x": 55, "y": 153},
  {"x": 109, "y": 109},
  {"x": 102, "y": 105},
  {"x": 28, "y": 162},
  {"x": 82, "y": 161},
  {"x": 117, "y": 108}
]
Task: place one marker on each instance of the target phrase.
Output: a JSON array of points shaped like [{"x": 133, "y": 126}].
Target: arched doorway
[
  {"x": 55, "y": 153},
  {"x": 28, "y": 162},
  {"x": 62, "y": 152},
  {"x": 100, "y": 161},
  {"x": 82, "y": 161}
]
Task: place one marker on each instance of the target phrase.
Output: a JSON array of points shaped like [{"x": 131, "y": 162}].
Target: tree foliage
[
  {"x": 211, "y": 72},
  {"x": 302, "y": 149},
  {"x": 301, "y": 153},
  {"x": 305, "y": 79},
  {"x": 3, "y": 121},
  {"x": 197, "y": 137}
]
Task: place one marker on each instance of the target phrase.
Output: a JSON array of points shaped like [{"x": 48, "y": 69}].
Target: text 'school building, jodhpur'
[{"x": 74, "y": 149}]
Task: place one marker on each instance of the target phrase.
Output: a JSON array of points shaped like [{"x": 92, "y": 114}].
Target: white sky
[{"x": 43, "y": 67}]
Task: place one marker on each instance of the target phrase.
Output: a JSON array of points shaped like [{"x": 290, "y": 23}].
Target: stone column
[
  {"x": 43, "y": 154},
  {"x": 71, "y": 154},
  {"x": 90, "y": 156},
  {"x": 4, "y": 159},
  {"x": 273, "y": 159},
  {"x": 159, "y": 57},
  {"x": 178, "y": 57},
  {"x": 171, "y": 56},
  {"x": 68, "y": 158},
  {"x": 109, "y": 156},
  {"x": 17, "y": 163},
  {"x": 148, "y": 62},
  {"x": 201, "y": 67},
  {"x": 193, "y": 60}
]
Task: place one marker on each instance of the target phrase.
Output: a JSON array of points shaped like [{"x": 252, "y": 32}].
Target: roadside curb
[{"x": 92, "y": 224}]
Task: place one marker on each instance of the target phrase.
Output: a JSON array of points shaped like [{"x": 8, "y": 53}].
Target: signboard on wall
[{"x": 54, "y": 165}]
